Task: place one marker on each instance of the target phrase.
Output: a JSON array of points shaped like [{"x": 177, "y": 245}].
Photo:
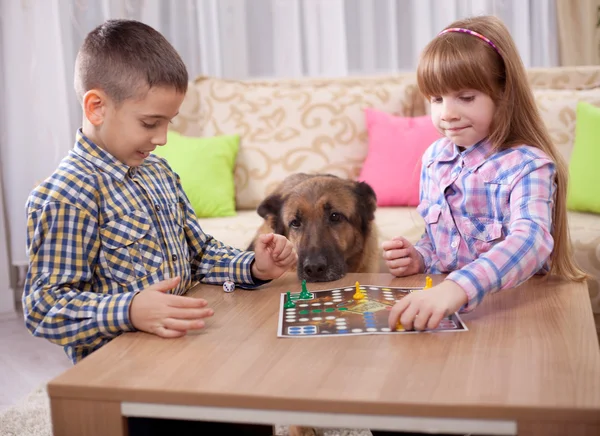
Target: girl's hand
[
  {"x": 425, "y": 309},
  {"x": 402, "y": 258}
]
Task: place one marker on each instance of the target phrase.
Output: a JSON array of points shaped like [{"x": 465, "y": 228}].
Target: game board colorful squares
[{"x": 358, "y": 309}]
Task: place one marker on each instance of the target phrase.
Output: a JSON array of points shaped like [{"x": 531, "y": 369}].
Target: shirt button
[
  {"x": 157, "y": 207},
  {"x": 174, "y": 257},
  {"x": 454, "y": 244},
  {"x": 39, "y": 283}
]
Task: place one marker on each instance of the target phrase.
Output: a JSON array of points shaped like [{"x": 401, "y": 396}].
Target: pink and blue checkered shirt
[
  {"x": 488, "y": 218},
  {"x": 98, "y": 232}
]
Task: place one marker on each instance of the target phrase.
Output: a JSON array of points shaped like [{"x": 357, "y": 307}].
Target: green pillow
[
  {"x": 205, "y": 167},
  {"x": 584, "y": 177}
]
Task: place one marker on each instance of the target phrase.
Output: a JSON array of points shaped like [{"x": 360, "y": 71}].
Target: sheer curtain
[{"x": 228, "y": 38}]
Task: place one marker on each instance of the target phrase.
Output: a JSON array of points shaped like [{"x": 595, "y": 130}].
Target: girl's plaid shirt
[{"x": 488, "y": 217}]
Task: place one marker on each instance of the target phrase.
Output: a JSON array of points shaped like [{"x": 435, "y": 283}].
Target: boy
[{"x": 112, "y": 239}]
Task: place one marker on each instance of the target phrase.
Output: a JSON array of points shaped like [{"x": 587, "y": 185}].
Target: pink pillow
[{"x": 393, "y": 163}]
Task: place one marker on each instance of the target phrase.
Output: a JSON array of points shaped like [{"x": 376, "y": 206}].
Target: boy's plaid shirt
[
  {"x": 98, "y": 232},
  {"x": 487, "y": 217}
]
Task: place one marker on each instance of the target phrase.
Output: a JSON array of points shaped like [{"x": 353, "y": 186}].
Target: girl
[{"x": 493, "y": 189}]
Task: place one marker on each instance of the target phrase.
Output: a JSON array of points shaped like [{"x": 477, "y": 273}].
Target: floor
[{"x": 25, "y": 361}]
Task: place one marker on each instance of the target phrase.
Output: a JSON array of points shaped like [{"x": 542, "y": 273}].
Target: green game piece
[
  {"x": 330, "y": 310},
  {"x": 316, "y": 310},
  {"x": 289, "y": 304},
  {"x": 305, "y": 295},
  {"x": 342, "y": 308},
  {"x": 303, "y": 312}
]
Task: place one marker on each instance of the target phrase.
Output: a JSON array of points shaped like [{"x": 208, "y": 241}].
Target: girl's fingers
[
  {"x": 394, "y": 244},
  {"x": 396, "y": 254},
  {"x": 408, "y": 316},
  {"x": 397, "y": 311},
  {"x": 398, "y": 272},
  {"x": 435, "y": 319},
  {"x": 420, "y": 322},
  {"x": 398, "y": 263}
]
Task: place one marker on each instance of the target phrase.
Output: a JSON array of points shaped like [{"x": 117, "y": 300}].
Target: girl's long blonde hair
[{"x": 454, "y": 61}]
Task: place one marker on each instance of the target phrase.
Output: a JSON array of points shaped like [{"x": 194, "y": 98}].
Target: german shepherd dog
[{"x": 330, "y": 221}]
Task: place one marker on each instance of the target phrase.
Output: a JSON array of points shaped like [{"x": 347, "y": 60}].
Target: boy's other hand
[
  {"x": 425, "y": 309},
  {"x": 402, "y": 258},
  {"x": 274, "y": 255},
  {"x": 166, "y": 315}
]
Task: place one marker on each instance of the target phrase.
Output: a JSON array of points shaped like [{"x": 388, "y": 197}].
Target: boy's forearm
[
  {"x": 220, "y": 264},
  {"x": 69, "y": 317}
]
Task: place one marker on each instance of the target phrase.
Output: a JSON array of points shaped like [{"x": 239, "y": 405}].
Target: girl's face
[{"x": 464, "y": 116}]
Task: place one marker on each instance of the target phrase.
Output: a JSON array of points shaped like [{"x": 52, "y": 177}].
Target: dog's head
[{"x": 327, "y": 218}]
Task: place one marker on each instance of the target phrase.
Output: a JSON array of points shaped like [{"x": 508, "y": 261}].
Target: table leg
[{"x": 87, "y": 418}]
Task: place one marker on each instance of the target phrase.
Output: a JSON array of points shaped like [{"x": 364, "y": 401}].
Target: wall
[{"x": 6, "y": 293}]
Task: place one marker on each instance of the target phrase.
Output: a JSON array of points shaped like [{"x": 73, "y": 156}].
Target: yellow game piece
[
  {"x": 399, "y": 327},
  {"x": 358, "y": 295},
  {"x": 428, "y": 282}
]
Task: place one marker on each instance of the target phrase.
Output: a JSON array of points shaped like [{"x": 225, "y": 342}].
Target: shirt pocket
[
  {"x": 481, "y": 233},
  {"x": 130, "y": 247},
  {"x": 431, "y": 213}
]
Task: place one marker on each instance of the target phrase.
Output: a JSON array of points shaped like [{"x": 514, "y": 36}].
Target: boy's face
[{"x": 132, "y": 130}]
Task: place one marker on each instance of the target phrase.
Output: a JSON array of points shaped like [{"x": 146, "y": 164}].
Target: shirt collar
[
  {"x": 473, "y": 157},
  {"x": 105, "y": 161}
]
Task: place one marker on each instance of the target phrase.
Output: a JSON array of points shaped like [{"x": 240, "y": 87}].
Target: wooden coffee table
[{"x": 529, "y": 364}]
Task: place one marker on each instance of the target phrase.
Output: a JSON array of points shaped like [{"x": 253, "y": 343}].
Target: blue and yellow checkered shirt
[{"x": 98, "y": 232}]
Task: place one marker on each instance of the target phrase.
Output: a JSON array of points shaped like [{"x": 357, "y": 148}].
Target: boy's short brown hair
[{"x": 125, "y": 58}]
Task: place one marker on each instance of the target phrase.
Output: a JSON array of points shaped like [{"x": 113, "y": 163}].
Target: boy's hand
[
  {"x": 425, "y": 309},
  {"x": 167, "y": 315},
  {"x": 402, "y": 258},
  {"x": 274, "y": 255}
]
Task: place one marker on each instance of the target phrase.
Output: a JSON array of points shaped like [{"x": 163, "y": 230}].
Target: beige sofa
[{"x": 317, "y": 125}]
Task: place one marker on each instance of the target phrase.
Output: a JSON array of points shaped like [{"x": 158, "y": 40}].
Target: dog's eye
[
  {"x": 335, "y": 217},
  {"x": 295, "y": 223}
]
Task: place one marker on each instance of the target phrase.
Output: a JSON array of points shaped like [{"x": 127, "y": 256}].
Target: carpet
[
  {"x": 28, "y": 417},
  {"x": 31, "y": 417}
]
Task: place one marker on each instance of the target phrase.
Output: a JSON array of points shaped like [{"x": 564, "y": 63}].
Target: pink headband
[{"x": 471, "y": 32}]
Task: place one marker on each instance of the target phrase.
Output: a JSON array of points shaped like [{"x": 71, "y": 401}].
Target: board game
[{"x": 352, "y": 310}]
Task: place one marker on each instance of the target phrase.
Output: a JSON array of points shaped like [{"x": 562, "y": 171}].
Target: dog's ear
[
  {"x": 270, "y": 210},
  {"x": 270, "y": 206},
  {"x": 367, "y": 202}
]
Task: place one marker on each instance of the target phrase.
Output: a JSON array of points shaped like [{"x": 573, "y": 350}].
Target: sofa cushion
[
  {"x": 393, "y": 163},
  {"x": 585, "y": 160},
  {"x": 235, "y": 231},
  {"x": 558, "y": 109},
  {"x": 289, "y": 126},
  {"x": 567, "y": 77},
  {"x": 205, "y": 167}
]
